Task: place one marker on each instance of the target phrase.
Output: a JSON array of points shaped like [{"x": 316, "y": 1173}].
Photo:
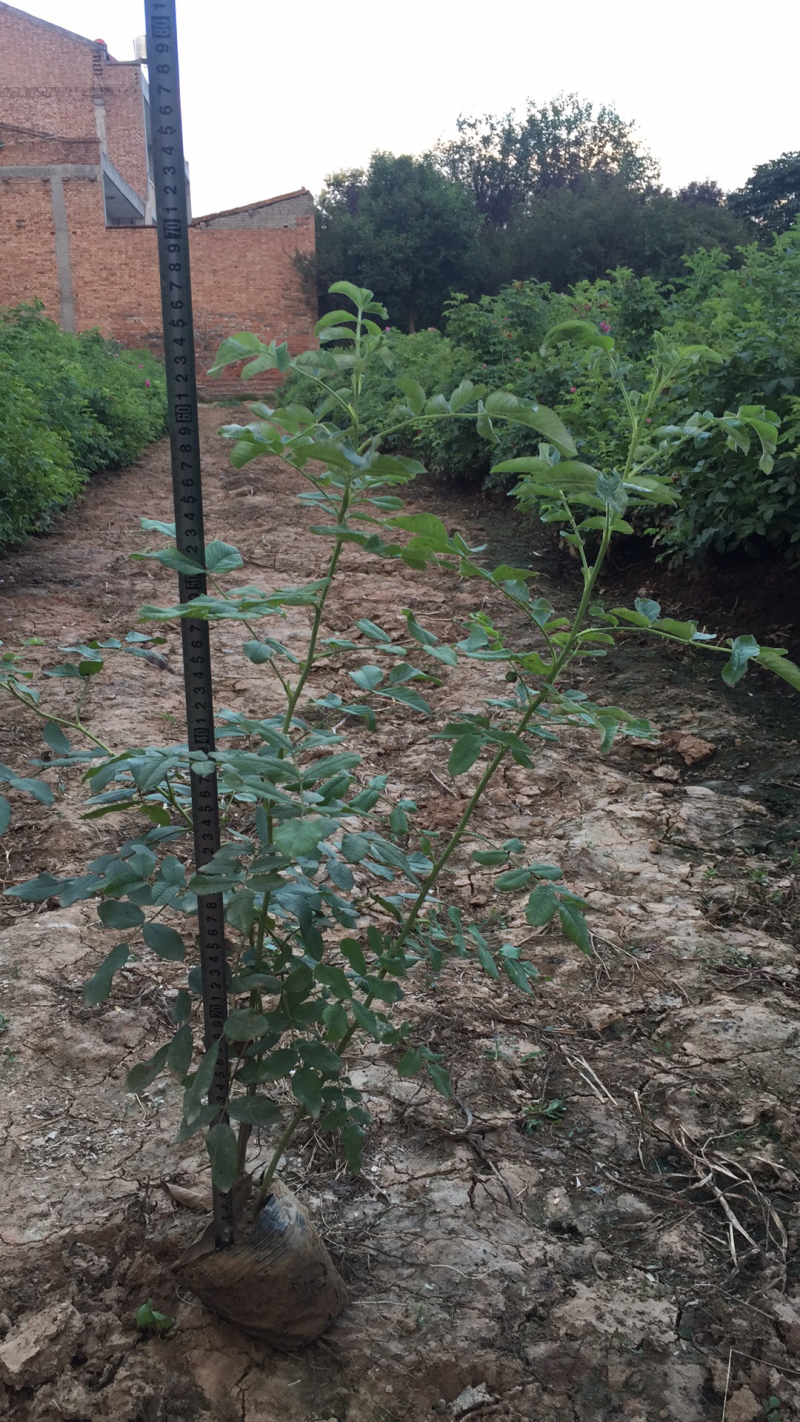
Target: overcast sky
[{"x": 276, "y": 95}]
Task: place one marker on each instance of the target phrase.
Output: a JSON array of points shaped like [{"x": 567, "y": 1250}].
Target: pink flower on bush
[
  {"x": 604, "y": 326},
  {"x": 572, "y": 389},
  {"x": 141, "y": 367},
  {"x": 648, "y": 422},
  {"x": 147, "y": 383}
]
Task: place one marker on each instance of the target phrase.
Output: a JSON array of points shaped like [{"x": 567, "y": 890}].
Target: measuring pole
[{"x": 169, "y": 176}]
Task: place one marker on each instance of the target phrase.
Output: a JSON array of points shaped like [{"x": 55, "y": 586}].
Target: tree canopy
[
  {"x": 506, "y": 161},
  {"x": 771, "y": 195},
  {"x": 401, "y": 228}
]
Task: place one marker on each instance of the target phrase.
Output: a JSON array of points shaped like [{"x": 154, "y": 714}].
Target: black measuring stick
[{"x": 169, "y": 176}]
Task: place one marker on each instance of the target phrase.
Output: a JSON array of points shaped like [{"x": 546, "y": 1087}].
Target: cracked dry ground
[{"x": 580, "y": 1269}]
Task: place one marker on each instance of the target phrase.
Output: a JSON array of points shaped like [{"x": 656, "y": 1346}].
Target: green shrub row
[
  {"x": 748, "y": 314},
  {"x": 71, "y": 405}
]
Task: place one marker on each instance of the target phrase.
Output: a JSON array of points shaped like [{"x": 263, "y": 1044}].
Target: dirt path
[{"x": 519, "y": 1259}]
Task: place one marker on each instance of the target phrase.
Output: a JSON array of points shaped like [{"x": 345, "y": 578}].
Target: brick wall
[
  {"x": 124, "y": 105},
  {"x": 52, "y": 90},
  {"x": 27, "y": 244},
  {"x": 243, "y": 272}
]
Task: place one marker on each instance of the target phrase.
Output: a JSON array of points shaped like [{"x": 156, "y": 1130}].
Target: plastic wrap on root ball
[{"x": 277, "y": 1281}]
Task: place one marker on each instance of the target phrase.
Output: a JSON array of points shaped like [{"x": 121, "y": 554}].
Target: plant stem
[
  {"x": 295, "y": 694},
  {"x": 288, "y": 1132}
]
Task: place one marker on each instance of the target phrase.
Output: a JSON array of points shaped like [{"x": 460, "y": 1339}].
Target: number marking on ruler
[{"x": 169, "y": 177}]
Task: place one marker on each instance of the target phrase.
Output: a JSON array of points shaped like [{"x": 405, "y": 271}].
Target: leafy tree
[
  {"x": 579, "y": 232},
  {"x": 403, "y": 228},
  {"x": 506, "y": 161},
  {"x": 705, "y": 194},
  {"x": 771, "y": 195}
]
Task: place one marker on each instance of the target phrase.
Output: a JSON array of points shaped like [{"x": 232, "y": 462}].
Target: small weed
[
  {"x": 149, "y": 1320},
  {"x": 539, "y": 1113}
]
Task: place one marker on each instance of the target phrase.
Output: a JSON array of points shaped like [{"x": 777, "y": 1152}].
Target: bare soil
[{"x": 627, "y": 1252}]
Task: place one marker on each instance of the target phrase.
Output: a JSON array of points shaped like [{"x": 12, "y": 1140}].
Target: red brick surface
[
  {"x": 27, "y": 247},
  {"x": 243, "y": 277}
]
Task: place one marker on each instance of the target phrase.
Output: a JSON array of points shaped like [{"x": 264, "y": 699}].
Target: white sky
[{"x": 276, "y": 95}]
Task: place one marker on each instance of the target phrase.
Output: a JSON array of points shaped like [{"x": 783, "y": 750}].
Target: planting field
[{"x": 604, "y": 1220}]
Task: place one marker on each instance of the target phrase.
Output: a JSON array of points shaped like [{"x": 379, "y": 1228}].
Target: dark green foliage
[
  {"x": 579, "y": 232},
  {"x": 771, "y": 195},
  {"x": 403, "y": 227},
  {"x": 732, "y": 495},
  {"x": 71, "y": 405}
]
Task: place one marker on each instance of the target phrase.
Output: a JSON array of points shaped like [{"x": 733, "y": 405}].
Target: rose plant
[{"x": 309, "y": 851}]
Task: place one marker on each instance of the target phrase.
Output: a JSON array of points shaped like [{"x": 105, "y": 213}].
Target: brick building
[{"x": 77, "y": 208}]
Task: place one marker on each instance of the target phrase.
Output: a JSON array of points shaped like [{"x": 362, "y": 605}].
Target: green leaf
[
  {"x": 537, "y": 417},
  {"x": 140, "y": 1076},
  {"x": 181, "y": 1050},
  {"x": 577, "y": 333},
  {"x": 335, "y": 979},
  {"x": 649, "y": 609},
  {"x": 464, "y": 754},
  {"x": 351, "y": 949},
  {"x": 307, "y": 1087},
  {"x": 222, "y": 557},
  {"x": 567, "y": 474},
  {"x": 56, "y": 739},
  {"x": 149, "y": 1320},
  {"x": 778, "y": 662},
  {"x": 427, "y": 527},
  {"x": 367, "y": 678},
  {"x": 516, "y": 974},
  {"x": 352, "y": 1138},
  {"x": 278, "y": 1065},
  {"x": 490, "y": 856},
  {"x": 301, "y": 837},
  {"x": 320, "y": 1057},
  {"x": 253, "y": 1110},
  {"x": 354, "y": 848},
  {"x": 114, "y": 913},
  {"x": 222, "y": 1152},
  {"x": 97, "y": 988},
  {"x": 487, "y": 961},
  {"x": 5, "y": 814},
  {"x": 440, "y": 1077},
  {"x": 35, "y": 891},
  {"x": 465, "y": 394},
  {"x": 420, "y": 634},
  {"x": 367, "y": 1019},
  {"x": 410, "y": 1063},
  {"x": 414, "y": 393},
  {"x": 245, "y": 1024},
  {"x": 574, "y": 926},
  {"x": 512, "y": 880},
  {"x": 166, "y": 942},
  {"x": 194, "y": 1097},
  {"x": 333, "y": 318},
  {"x": 743, "y": 649},
  {"x": 359, "y": 295},
  {"x": 684, "y": 630},
  {"x": 542, "y": 905},
  {"x": 373, "y": 631}
]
